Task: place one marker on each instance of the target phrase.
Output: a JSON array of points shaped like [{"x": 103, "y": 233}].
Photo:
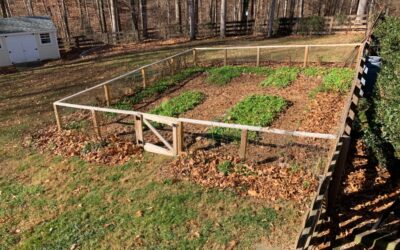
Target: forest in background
[{"x": 182, "y": 17}]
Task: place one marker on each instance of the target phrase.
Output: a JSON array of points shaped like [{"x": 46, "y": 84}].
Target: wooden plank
[
  {"x": 107, "y": 94},
  {"x": 144, "y": 77},
  {"x": 306, "y": 49},
  {"x": 157, "y": 149},
  {"x": 162, "y": 139},
  {"x": 195, "y": 57},
  {"x": 96, "y": 125},
  {"x": 139, "y": 130},
  {"x": 181, "y": 137},
  {"x": 259, "y": 129},
  {"x": 258, "y": 57},
  {"x": 175, "y": 139},
  {"x": 243, "y": 145},
  {"x": 334, "y": 186},
  {"x": 58, "y": 119}
]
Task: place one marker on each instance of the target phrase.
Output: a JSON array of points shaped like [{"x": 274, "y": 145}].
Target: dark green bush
[
  {"x": 313, "y": 24},
  {"x": 379, "y": 116}
]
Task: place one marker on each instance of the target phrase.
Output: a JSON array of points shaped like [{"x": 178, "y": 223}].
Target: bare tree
[
  {"x": 4, "y": 8},
  {"x": 192, "y": 19},
  {"x": 222, "y": 31},
  {"x": 134, "y": 21},
  {"x": 65, "y": 19},
  {"x": 178, "y": 15},
  {"x": 143, "y": 17},
  {"x": 29, "y": 7},
  {"x": 271, "y": 17},
  {"x": 102, "y": 16},
  {"x": 362, "y": 8},
  {"x": 301, "y": 8}
]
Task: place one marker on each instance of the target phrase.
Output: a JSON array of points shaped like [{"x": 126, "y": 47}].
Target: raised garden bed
[{"x": 263, "y": 132}]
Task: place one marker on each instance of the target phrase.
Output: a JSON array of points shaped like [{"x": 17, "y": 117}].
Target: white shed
[{"x": 27, "y": 39}]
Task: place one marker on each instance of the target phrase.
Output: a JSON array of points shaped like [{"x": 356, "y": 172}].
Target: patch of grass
[
  {"x": 335, "y": 80},
  {"x": 225, "y": 167},
  {"x": 223, "y": 75},
  {"x": 281, "y": 77},
  {"x": 255, "y": 110},
  {"x": 180, "y": 104}
]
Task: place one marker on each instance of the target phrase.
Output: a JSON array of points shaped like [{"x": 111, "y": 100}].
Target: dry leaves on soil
[
  {"x": 272, "y": 183},
  {"x": 110, "y": 150}
]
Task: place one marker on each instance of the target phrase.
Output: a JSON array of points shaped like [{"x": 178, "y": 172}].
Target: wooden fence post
[
  {"x": 58, "y": 120},
  {"x": 243, "y": 144},
  {"x": 175, "y": 139},
  {"x": 107, "y": 94},
  {"x": 225, "y": 57},
  {"x": 139, "y": 130},
  {"x": 258, "y": 57},
  {"x": 144, "y": 77},
  {"x": 305, "y": 56},
  {"x": 180, "y": 137},
  {"x": 172, "y": 66},
  {"x": 194, "y": 57},
  {"x": 96, "y": 123},
  {"x": 331, "y": 25}
]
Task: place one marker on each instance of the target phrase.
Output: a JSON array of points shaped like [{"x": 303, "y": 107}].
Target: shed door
[{"x": 22, "y": 48}]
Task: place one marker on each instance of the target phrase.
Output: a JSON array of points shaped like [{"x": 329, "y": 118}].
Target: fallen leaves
[
  {"x": 111, "y": 150},
  {"x": 270, "y": 182}
]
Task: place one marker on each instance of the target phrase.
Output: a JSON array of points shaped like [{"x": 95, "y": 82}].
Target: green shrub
[
  {"x": 379, "y": 116},
  {"x": 180, "y": 104},
  {"x": 255, "y": 110},
  {"x": 313, "y": 24},
  {"x": 281, "y": 77},
  {"x": 223, "y": 75}
]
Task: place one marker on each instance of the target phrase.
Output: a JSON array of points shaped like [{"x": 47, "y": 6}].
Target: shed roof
[{"x": 25, "y": 24}]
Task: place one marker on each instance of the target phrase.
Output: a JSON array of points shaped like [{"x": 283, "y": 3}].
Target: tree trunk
[
  {"x": 178, "y": 15},
  {"x": 301, "y": 8},
  {"x": 3, "y": 8},
  {"x": 134, "y": 20},
  {"x": 113, "y": 16},
  {"x": 362, "y": 8},
  {"x": 65, "y": 18},
  {"x": 192, "y": 19},
  {"x": 29, "y": 7},
  {"x": 222, "y": 31},
  {"x": 102, "y": 17},
  {"x": 271, "y": 17},
  {"x": 285, "y": 8},
  {"x": 143, "y": 17}
]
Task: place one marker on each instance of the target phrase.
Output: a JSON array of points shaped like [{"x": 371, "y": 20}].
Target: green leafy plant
[
  {"x": 335, "y": 80},
  {"x": 281, "y": 77},
  {"x": 255, "y": 110},
  {"x": 314, "y": 71},
  {"x": 223, "y": 75},
  {"x": 225, "y": 167},
  {"x": 180, "y": 104}
]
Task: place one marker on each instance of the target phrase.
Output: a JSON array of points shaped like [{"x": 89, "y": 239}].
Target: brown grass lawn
[{"x": 48, "y": 201}]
